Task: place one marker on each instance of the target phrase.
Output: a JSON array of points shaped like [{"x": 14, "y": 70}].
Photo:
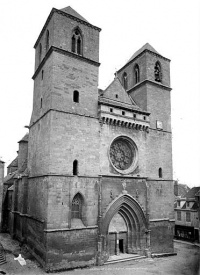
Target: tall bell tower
[
  {"x": 64, "y": 138},
  {"x": 148, "y": 83}
]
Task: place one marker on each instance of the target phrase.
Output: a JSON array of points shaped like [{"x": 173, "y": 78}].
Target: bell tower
[
  {"x": 65, "y": 90},
  {"x": 63, "y": 159},
  {"x": 148, "y": 83}
]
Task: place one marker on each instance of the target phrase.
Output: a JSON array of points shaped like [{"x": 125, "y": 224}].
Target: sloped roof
[
  {"x": 195, "y": 206},
  {"x": 184, "y": 206},
  {"x": 147, "y": 46},
  {"x": 116, "y": 88},
  {"x": 25, "y": 138},
  {"x": 192, "y": 192},
  {"x": 198, "y": 193},
  {"x": 14, "y": 163},
  {"x": 182, "y": 190},
  {"x": 72, "y": 12},
  {"x": 9, "y": 177}
]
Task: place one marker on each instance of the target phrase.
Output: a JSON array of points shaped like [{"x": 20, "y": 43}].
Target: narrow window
[
  {"x": 179, "y": 215},
  {"x": 77, "y": 42},
  {"x": 116, "y": 95},
  {"x": 42, "y": 74},
  {"x": 144, "y": 117},
  {"x": 125, "y": 81},
  {"x": 134, "y": 115},
  {"x": 137, "y": 73},
  {"x": 77, "y": 203},
  {"x": 79, "y": 46},
  {"x": 188, "y": 203},
  {"x": 123, "y": 113},
  {"x": 188, "y": 218},
  {"x": 178, "y": 203},
  {"x": 111, "y": 110},
  {"x": 73, "y": 44},
  {"x": 41, "y": 103},
  {"x": 75, "y": 167},
  {"x": 157, "y": 72},
  {"x": 160, "y": 172},
  {"x": 40, "y": 52},
  {"x": 47, "y": 40},
  {"x": 76, "y": 97}
]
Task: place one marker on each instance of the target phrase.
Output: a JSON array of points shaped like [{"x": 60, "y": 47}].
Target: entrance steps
[{"x": 123, "y": 258}]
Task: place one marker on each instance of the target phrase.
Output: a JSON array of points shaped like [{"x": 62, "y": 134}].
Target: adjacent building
[
  {"x": 187, "y": 216},
  {"x": 94, "y": 176}
]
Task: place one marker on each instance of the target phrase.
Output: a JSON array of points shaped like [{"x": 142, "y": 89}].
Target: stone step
[{"x": 124, "y": 259}]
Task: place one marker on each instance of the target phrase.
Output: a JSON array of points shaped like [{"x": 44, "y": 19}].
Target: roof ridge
[{"x": 71, "y": 11}]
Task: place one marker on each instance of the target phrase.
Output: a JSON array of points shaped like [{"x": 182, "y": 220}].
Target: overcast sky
[{"x": 172, "y": 27}]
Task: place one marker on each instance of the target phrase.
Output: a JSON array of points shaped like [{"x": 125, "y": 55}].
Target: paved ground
[{"x": 187, "y": 262}]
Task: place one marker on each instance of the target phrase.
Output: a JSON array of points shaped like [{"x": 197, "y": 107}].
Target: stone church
[{"x": 93, "y": 178}]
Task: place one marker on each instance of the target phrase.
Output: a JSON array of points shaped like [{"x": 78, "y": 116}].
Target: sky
[{"x": 172, "y": 27}]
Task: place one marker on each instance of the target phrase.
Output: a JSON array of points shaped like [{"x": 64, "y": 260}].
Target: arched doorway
[
  {"x": 124, "y": 227},
  {"x": 117, "y": 234}
]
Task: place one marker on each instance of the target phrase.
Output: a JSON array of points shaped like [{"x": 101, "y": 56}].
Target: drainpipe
[
  {"x": 148, "y": 241},
  {"x": 99, "y": 248}
]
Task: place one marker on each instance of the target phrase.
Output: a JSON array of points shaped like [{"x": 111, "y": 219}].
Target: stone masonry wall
[{"x": 108, "y": 133}]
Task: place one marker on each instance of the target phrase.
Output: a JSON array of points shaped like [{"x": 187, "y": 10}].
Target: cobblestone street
[{"x": 187, "y": 262}]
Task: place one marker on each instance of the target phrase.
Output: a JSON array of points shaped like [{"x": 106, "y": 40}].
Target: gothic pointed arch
[
  {"x": 77, "y": 41},
  {"x": 128, "y": 207},
  {"x": 125, "y": 80},
  {"x": 77, "y": 206},
  {"x": 137, "y": 227},
  {"x": 136, "y": 73},
  {"x": 47, "y": 40},
  {"x": 158, "y": 72}
]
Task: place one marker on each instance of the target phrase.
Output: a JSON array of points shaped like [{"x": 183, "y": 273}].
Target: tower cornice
[
  {"x": 146, "y": 50},
  {"x": 147, "y": 81},
  {"x": 64, "y": 52},
  {"x": 66, "y": 15}
]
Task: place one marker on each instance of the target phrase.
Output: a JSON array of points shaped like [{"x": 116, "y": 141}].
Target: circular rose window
[{"x": 123, "y": 155}]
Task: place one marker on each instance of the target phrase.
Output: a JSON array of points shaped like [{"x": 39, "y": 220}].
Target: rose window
[{"x": 123, "y": 154}]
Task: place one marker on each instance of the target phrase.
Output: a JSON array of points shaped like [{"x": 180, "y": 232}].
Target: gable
[{"x": 115, "y": 91}]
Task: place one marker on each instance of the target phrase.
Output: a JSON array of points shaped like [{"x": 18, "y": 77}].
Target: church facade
[{"x": 98, "y": 178}]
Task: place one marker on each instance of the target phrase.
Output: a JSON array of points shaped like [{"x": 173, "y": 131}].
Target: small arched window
[
  {"x": 77, "y": 42},
  {"x": 76, "y": 96},
  {"x": 77, "y": 205},
  {"x": 125, "y": 81},
  {"x": 40, "y": 52},
  {"x": 136, "y": 73},
  {"x": 160, "y": 172},
  {"x": 158, "y": 72},
  {"x": 47, "y": 40},
  {"x": 75, "y": 167},
  {"x": 40, "y": 103}
]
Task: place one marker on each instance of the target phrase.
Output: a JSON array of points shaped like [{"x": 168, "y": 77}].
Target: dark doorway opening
[{"x": 121, "y": 246}]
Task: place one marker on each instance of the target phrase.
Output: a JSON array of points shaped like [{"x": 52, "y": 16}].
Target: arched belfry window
[
  {"x": 47, "y": 40},
  {"x": 75, "y": 167},
  {"x": 77, "y": 42},
  {"x": 158, "y": 72},
  {"x": 125, "y": 80},
  {"x": 76, "y": 96},
  {"x": 160, "y": 173},
  {"x": 77, "y": 205},
  {"x": 136, "y": 73},
  {"x": 40, "y": 52}
]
